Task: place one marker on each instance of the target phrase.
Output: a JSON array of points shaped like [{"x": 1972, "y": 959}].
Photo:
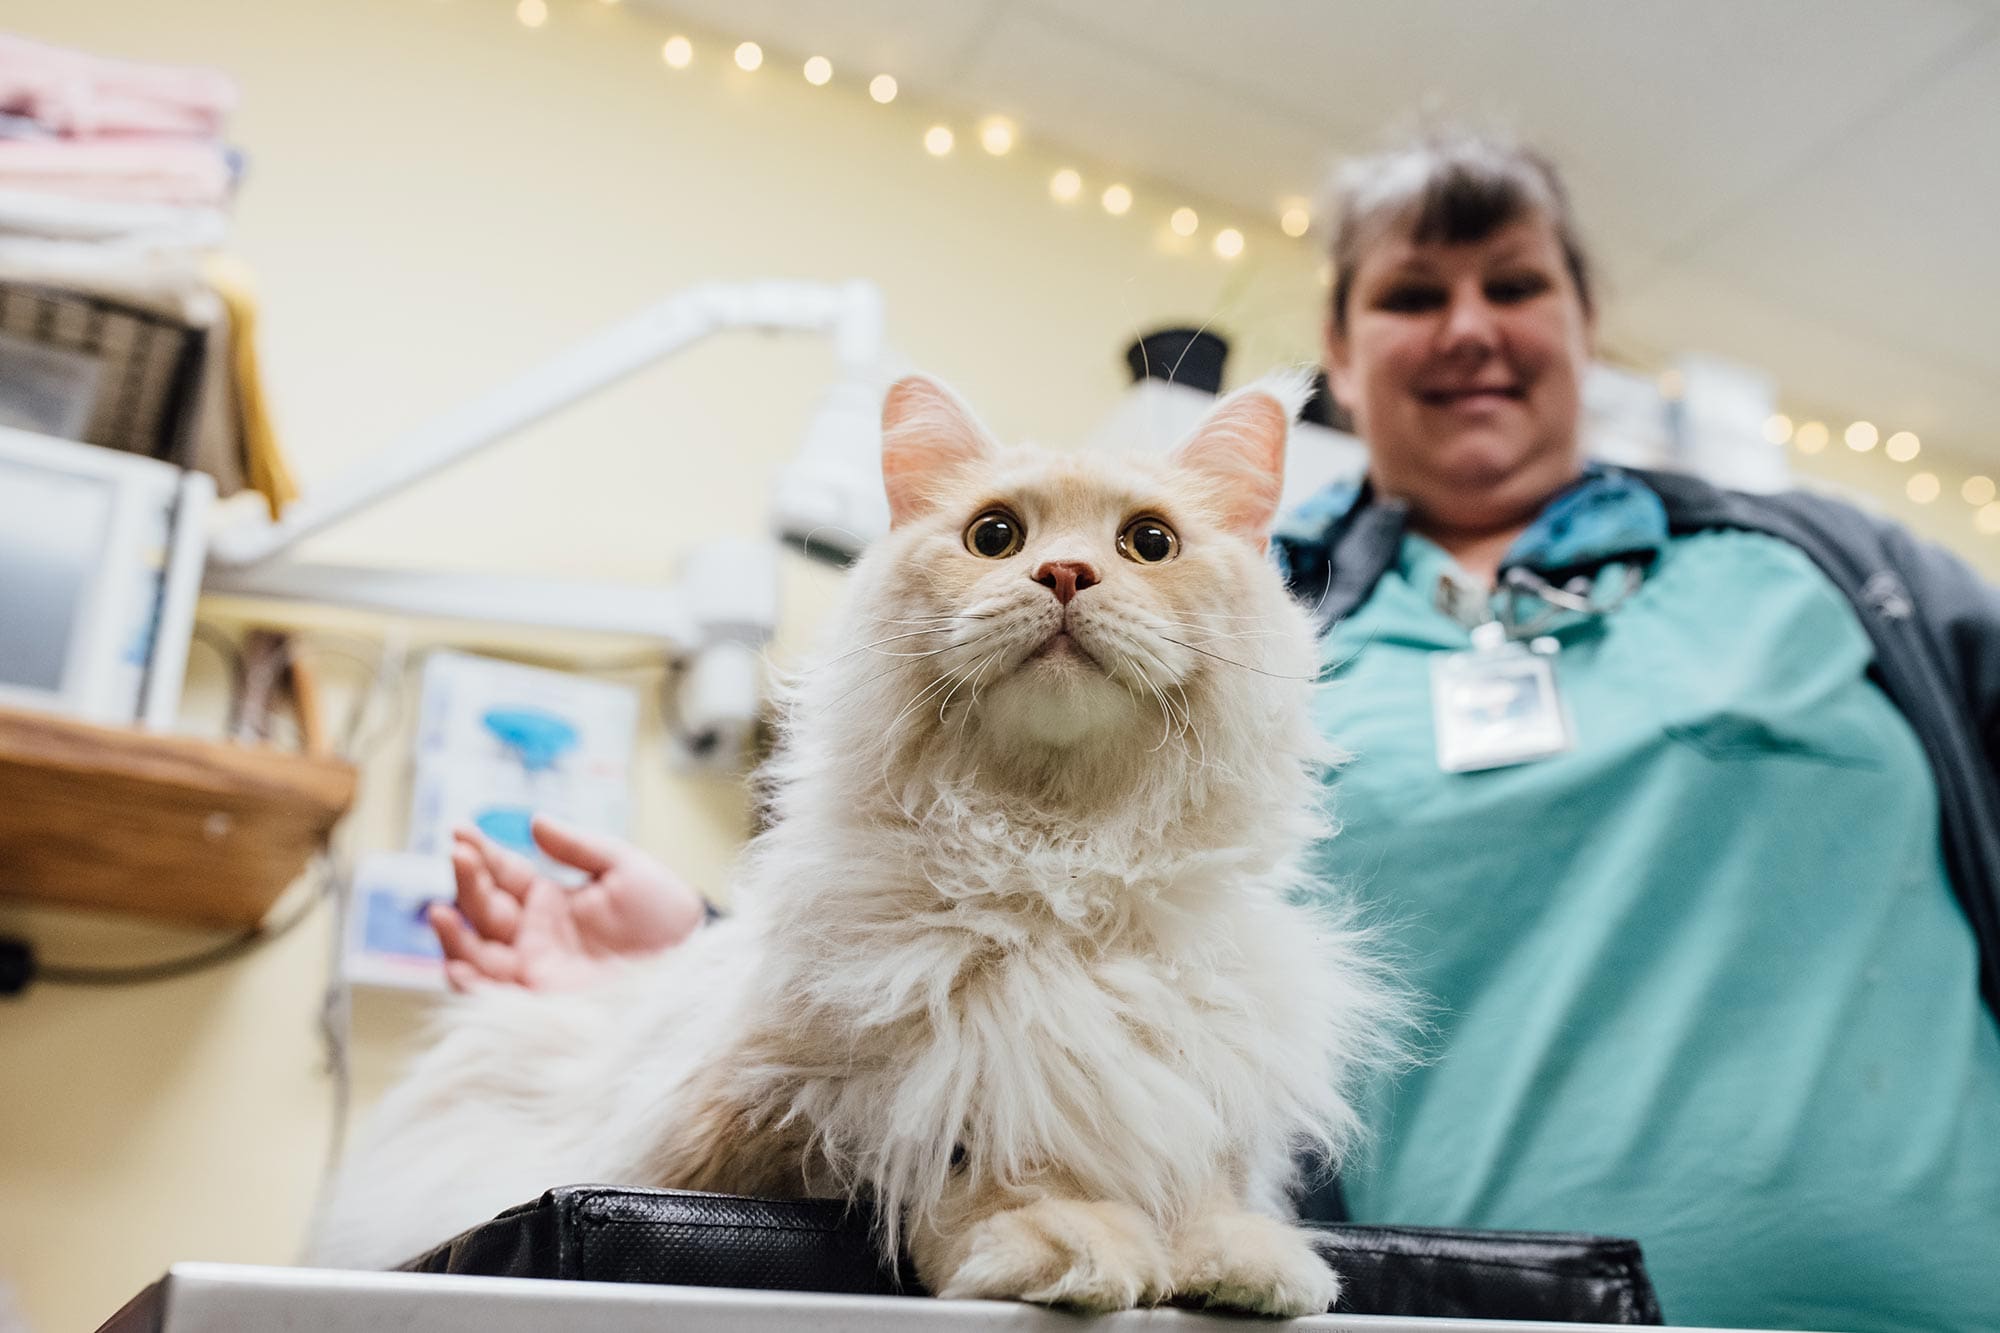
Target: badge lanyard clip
[{"x": 1498, "y": 705}]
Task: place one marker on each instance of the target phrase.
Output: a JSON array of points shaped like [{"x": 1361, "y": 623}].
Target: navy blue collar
[{"x": 1606, "y": 514}]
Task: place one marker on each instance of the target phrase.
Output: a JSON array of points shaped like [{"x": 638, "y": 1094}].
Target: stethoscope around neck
[{"x": 1577, "y": 597}]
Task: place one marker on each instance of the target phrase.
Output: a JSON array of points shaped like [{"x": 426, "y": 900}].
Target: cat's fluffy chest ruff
[{"x": 1024, "y": 999}]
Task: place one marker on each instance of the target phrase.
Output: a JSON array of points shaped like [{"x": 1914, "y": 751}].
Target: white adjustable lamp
[{"x": 724, "y": 604}]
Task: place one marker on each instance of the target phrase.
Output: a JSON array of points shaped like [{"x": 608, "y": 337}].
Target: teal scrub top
[{"x": 1700, "y": 980}]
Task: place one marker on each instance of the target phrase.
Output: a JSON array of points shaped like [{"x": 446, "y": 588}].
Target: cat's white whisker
[
  {"x": 870, "y": 647},
  {"x": 968, "y": 647},
  {"x": 884, "y": 652},
  {"x": 1275, "y": 675},
  {"x": 1200, "y": 329},
  {"x": 963, "y": 677},
  {"x": 1211, "y": 635},
  {"x": 928, "y": 692},
  {"x": 978, "y": 678},
  {"x": 1166, "y": 715},
  {"x": 1215, "y": 629},
  {"x": 1180, "y": 712},
  {"x": 1187, "y": 713}
]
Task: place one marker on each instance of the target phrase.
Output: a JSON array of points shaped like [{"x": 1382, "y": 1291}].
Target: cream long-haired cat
[{"x": 1017, "y": 957}]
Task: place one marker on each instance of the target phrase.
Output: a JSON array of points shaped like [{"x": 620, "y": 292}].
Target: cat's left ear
[
  {"x": 927, "y": 434},
  {"x": 1239, "y": 450}
]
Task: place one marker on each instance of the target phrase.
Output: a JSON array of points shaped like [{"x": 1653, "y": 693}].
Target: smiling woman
[
  {"x": 1674, "y": 795},
  {"x": 1459, "y": 336}
]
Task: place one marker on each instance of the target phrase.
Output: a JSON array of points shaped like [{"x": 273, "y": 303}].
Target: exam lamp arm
[{"x": 850, "y": 313}]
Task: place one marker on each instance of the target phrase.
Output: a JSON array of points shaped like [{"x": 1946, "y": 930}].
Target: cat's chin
[
  {"x": 1058, "y": 697},
  {"x": 1060, "y": 650}
]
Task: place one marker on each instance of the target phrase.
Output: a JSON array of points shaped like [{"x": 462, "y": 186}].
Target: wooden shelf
[{"x": 166, "y": 826}]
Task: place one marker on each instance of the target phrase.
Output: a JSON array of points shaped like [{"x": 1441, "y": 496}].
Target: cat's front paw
[
  {"x": 1089, "y": 1256},
  {"x": 1247, "y": 1261}
]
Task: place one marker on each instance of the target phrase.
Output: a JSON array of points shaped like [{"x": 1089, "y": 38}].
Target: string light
[
  {"x": 1988, "y": 518},
  {"x": 996, "y": 136}
]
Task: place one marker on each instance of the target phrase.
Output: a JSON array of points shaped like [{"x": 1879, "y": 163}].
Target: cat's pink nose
[{"x": 1065, "y": 578}]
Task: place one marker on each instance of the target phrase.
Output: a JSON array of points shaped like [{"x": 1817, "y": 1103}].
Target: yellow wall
[{"x": 438, "y": 197}]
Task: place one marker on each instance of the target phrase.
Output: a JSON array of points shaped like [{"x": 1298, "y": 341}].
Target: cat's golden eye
[
  {"x": 995, "y": 534},
  {"x": 1148, "y": 541}
]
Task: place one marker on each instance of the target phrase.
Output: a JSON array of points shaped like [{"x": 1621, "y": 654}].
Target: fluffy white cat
[{"x": 1017, "y": 956}]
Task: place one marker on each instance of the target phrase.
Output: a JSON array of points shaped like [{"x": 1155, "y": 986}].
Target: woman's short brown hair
[{"x": 1453, "y": 189}]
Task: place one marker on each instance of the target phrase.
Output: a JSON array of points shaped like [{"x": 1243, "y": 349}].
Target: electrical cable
[
  {"x": 336, "y": 1023},
  {"x": 140, "y": 974},
  {"x": 388, "y": 677},
  {"x": 226, "y": 648}
]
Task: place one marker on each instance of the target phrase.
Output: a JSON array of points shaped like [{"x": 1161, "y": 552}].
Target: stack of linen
[
  {"x": 111, "y": 153},
  {"x": 115, "y": 189}
]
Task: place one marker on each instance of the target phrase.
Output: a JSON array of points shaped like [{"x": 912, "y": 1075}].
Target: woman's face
[{"x": 1463, "y": 367}]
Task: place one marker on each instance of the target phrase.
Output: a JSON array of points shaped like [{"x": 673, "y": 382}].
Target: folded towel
[
  {"x": 74, "y": 92},
  {"x": 146, "y": 226},
  {"x": 132, "y": 169}
]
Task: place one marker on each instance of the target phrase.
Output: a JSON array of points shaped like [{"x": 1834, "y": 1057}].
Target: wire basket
[{"x": 83, "y": 367}]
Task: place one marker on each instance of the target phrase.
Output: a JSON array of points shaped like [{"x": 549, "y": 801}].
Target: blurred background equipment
[
  {"x": 100, "y": 560},
  {"x": 827, "y": 501}
]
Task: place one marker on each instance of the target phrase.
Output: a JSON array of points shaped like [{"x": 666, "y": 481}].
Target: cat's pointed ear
[
  {"x": 927, "y": 434},
  {"x": 1239, "y": 451}
]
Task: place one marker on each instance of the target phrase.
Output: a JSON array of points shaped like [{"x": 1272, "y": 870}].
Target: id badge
[{"x": 1498, "y": 704}]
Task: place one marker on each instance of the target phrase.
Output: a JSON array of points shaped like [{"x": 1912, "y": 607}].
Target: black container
[
  {"x": 1321, "y": 408},
  {"x": 1192, "y": 357}
]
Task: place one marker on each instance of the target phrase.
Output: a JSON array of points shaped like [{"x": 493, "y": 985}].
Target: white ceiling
[{"x": 1812, "y": 186}]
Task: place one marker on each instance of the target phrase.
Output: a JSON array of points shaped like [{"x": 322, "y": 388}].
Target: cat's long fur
[{"x": 1039, "y": 925}]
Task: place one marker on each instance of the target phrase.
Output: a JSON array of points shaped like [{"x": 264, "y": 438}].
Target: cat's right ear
[
  {"x": 1239, "y": 451},
  {"x": 927, "y": 435}
]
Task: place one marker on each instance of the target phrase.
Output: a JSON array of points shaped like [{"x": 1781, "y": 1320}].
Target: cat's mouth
[{"x": 1062, "y": 646}]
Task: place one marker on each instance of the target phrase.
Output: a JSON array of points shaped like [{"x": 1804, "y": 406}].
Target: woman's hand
[{"x": 513, "y": 925}]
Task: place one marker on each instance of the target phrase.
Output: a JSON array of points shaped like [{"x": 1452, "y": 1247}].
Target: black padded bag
[{"x": 600, "y": 1234}]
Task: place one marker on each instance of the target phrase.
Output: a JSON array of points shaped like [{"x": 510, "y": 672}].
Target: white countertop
[{"x": 210, "y": 1298}]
